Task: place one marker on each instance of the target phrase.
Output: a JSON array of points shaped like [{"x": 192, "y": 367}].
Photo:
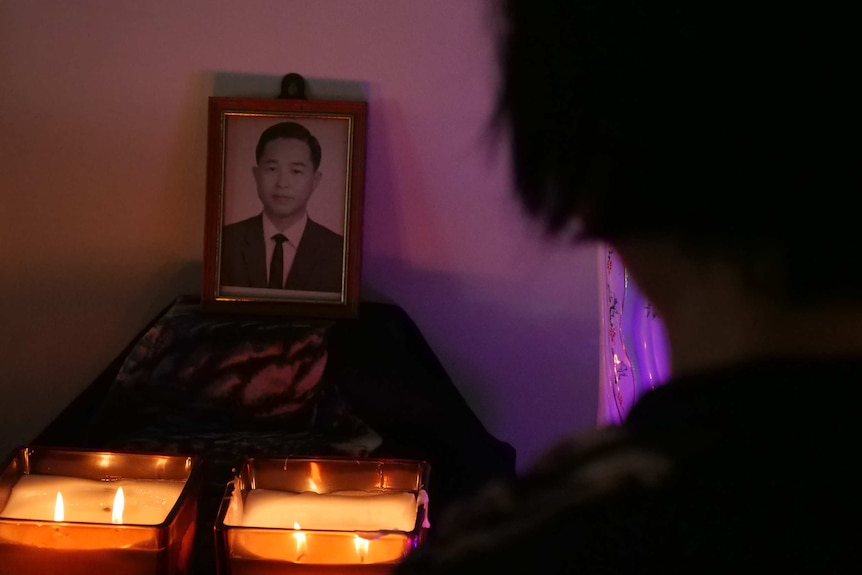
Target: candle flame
[
  {"x": 59, "y": 512},
  {"x": 119, "y": 504},
  {"x": 300, "y": 541},
  {"x": 361, "y": 545}
]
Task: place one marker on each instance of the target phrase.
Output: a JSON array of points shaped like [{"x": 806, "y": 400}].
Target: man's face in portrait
[{"x": 286, "y": 178}]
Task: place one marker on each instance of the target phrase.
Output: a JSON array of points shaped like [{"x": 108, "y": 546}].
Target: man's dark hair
[
  {"x": 289, "y": 130},
  {"x": 726, "y": 126}
]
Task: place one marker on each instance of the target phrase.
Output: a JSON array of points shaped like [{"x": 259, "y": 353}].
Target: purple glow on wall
[{"x": 635, "y": 351}]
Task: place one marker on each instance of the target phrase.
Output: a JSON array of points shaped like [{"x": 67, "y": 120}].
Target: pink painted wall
[{"x": 102, "y": 183}]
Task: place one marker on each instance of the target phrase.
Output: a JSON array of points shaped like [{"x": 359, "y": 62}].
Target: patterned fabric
[
  {"x": 226, "y": 387},
  {"x": 194, "y": 376}
]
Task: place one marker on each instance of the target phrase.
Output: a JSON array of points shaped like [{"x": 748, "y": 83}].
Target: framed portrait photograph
[{"x": 285, "y": 181}]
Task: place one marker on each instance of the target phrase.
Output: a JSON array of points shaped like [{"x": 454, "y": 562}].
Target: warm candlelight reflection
[
  {"x": 361, "y": 547},
  {"x": 345, "y": 511},
  {"x": 314, "y": 479},
  {"x": 300, "y": 541},
  {"x": 117, "y": 510},
  {"x": 58, "y": 508}
]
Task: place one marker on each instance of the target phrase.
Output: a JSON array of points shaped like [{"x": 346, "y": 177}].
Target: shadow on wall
[
  {"x": 236, "y": 85},
  {"x": 527, "y": 367}
]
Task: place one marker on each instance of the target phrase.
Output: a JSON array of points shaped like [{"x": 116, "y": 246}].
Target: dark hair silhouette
[
  {"x": 726, "y": 130},
  {"x": 289, "y": 130}
]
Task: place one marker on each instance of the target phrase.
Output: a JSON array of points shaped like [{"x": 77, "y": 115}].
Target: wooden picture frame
[{"x": 261, "y": 171}]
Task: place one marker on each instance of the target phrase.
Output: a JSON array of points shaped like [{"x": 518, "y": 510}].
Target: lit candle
[
  {"x": 59, "y": 509},
  {"x": 119, "y": 504},
  {"x": 56, "y": 508},
  {"x": 131, "y": 501},
  {"x": 356, "y": 516},
  {"x": 342, "y": 511},
  {"x": 331, "y": 523},
  {"x": 116, "y": 513}
]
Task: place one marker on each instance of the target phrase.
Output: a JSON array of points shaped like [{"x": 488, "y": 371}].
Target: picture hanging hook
[{"x": 293, "y": 87}]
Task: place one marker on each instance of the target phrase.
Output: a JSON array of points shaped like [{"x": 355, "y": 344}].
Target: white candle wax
[
  {"x": 147, "y": 501},
  {"x": 342, "y": 511}
]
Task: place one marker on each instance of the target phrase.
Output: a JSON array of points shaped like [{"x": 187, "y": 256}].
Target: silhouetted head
[{"x": 725, "y": 127}]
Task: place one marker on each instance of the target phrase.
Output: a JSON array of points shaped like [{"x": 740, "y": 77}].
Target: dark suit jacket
[{"x": 317, "y": 266}]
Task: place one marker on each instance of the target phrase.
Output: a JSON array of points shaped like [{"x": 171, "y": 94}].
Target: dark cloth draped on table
[{"x": 226, "y": 386}]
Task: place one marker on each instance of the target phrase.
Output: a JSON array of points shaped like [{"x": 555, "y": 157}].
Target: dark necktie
[{"x": 276, "y": 265}]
